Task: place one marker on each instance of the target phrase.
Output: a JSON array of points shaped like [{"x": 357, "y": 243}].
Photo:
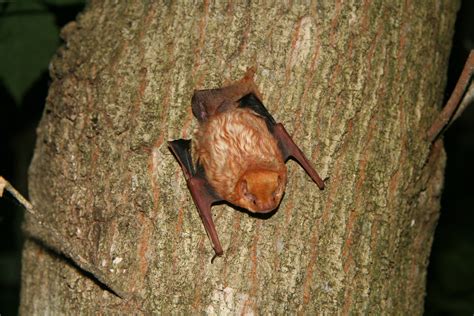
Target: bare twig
[
  {"x": 457, "y": 101},
  {"x": 42, "y": 231},
  {"x": 468, "y": 99},
  {"x": 5, "y": 185}
]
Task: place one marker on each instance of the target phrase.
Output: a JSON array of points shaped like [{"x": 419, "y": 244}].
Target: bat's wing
[
  {"x": 207, "y": 103},
  {"x": 202, "y": 193},
  {"x": 285, "y": 142}
]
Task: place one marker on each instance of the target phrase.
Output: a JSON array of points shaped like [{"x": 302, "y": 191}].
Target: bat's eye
[{"x": 251, "y": 198}]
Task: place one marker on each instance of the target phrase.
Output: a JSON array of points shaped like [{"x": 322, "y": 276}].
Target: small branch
[
  {"x": 468, "y": 99},
  {"x": 456, "y": 103},
  {"x": 59, "y": 244},
  {"x": 5, "y": 185}
]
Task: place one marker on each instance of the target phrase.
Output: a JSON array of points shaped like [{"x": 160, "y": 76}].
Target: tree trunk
[{"x": 357, "y": 84}]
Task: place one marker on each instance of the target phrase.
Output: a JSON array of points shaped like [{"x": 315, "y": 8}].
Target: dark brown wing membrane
[
  {"x": 287, "y": 145},
  {"x": 201, "y": 192},
  {"x": 205, "y": 104}
]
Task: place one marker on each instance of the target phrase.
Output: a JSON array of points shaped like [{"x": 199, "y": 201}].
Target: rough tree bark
[{"x": 356, "y": 83}]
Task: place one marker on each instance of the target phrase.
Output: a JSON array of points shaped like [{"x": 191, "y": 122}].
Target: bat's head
[{"x": 261, "y": 190}]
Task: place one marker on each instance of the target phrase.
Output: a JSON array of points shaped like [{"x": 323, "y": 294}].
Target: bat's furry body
[
  {"x": 236, "y": 146},
  {"x": 238, "y": 153}
]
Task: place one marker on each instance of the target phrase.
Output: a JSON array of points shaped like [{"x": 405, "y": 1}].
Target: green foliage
[{"x": 29, "y": 36}]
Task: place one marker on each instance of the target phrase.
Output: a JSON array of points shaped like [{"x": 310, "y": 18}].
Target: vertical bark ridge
[{"x": 354, "y": 83}]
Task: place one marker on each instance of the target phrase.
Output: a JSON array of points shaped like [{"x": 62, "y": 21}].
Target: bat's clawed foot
[{"x": 217, "y": 254}]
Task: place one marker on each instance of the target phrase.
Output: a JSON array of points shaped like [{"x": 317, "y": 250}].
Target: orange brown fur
[{"x": 242, "y": 160}]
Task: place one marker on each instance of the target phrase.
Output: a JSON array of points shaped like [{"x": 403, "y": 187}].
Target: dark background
[{"x": 29, "y": 36}]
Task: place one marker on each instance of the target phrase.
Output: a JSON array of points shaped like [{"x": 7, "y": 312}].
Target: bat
[{"x": 237, "y": 154}]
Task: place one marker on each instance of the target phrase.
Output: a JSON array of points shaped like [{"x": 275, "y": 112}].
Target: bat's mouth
[{"x": 265, "y": 211}]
